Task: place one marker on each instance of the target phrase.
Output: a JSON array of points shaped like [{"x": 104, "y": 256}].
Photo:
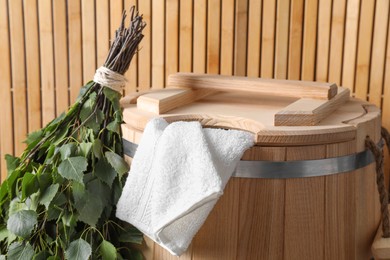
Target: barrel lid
[{"x": 325, "y": 114}]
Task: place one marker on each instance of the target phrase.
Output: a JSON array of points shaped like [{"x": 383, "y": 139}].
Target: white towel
[{"x": 177, "y": 175}]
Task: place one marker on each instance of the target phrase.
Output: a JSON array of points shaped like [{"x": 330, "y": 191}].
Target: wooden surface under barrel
[{"x": 326, "y": 217}]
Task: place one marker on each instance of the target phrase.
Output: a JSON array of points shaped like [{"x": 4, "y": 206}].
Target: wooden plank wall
[{"x": 48, "y": 49}]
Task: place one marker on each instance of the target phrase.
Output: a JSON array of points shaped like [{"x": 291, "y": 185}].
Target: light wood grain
[
  {"x": 213, "y": 36},
  {"x": 199, "y": 45},
  {"x": 18, "y": 73},
  {"x": 132, "y": 74},
  {"x": 60, "y": 56},
  {"x": 254, "y": 38},
  {"x": 75, "y": 49},
  {"x": 336, "y": 41},
  {"x": 231, "y": 110},
  {"x": 6, "y": 131},
  {"x": 172, "y": 38},
  {"x": 340, "y": 208},
  {"x": 47, "y": 61},
  {"x": 381, "y": 246},
  {"x": 89, "y": 41},
  {"x": 151, "y": 53},
  {"x": 158, "y": 44},
  {"x": 261, "y": 231},
  {"x": 309, "y": 40},
  {"x": 327, "y": 214},
  {"x": 116, "y": 10},
  {"x": 386, "y": 85},
  {"x": 366, "y": 224},
  {"x": 281, "y": 48},
  {"x": 227, "y": 37},
  {"x": 33, "y": 80},
  {"x": 340, "y": 218},
  {"x": 295, "y": 40},
  {"x": 268, "y": 39},
  {"x": 304, "y": 209},
  {"x": 161, "y": 102},
  {"x": 186, "y": 28},
  {"x": 364, "y": 48},
  {"x": 350, "y": 43},
  {"x": 219, "y": 241},
  {"x": 288, "y": 88},
  {"x": 240, "y": 40},
  {"x": 378, "y": 54},
  {"x": 310, "y": 111},
  {"x": 103, "y": 29},
  {"x": 324, "y": 18}
]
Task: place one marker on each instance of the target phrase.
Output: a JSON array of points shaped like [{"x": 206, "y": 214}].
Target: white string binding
[{"x": 111, "y": 79}]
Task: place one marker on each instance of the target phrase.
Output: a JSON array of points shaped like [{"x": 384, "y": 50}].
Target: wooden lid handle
[{"x": 288, "y": 88}]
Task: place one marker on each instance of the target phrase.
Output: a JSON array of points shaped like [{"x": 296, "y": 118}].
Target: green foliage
[
  {"x": 20, "y": 251},
  {"x": 72, "y": 168},
  {"x": 107, "y": 250},
  {"x": 60, "y": 195},
  {"x": 22, "y": 222},
  {"x": 78, "y": 250},
  {"x": 12, "y": 162},
  {"x": 49, "y": 195},
  {"x": 117, "y": 162}
]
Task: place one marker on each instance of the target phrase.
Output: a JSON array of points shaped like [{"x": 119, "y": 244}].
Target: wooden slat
[
  {"x": 340, "y": 217},
  {"x": 213, "y": 40},
  {"x": 131, "y": 74},
  {"x": 381, "y": 245},
  {"x": 186, "y": 26},
  {"x": 227, "y": 37},
  {"x": 6, "y": 130},
  {"x": 32, "y": 65},
  {"x": 227, "y": 216},
  {"x": 116, "y": 10},
  {"x": 295, "y": 41},
  {"x": 172, "y": 38},
  {"x": 378, "y": 52},
  {"x": 240, "y": 39},
  {"x": 103, "y": 29},
  {"x": 309, "y": 40},
  {"x": 340, "y": 208},
  {"x": 366, "y": 224},
  {"x": 310, "y": 112},
  {"x": 199, "y": 54},
  {"x": 288, "y": 88},
  {"x": 89, "y": 41},
  {"x": 163, "y": 102},
  {"x": 47, "y": 58},
  {"x": 158, "y": 46},
  {"x": 75, "y": 50},
  {"x": 268, "y": 39},
  {"x": 324, "y": 15},
  {"x": 18, "y": 74},
  {"x": 304, "y": 209},
  {"x": 60, "y": 56},
  {"x": 386, "y": 85},
  {"x": 365, "y": 187},
  {"x": 144, "y": 61},
  {"x": 254, "y": 38},
  {"x": 336, "y": 44},
  {"x": 261, "y": 231},
  {"x": 350, "y": 43},
  {"x": 281, "y": 49},
  {"x": 364, "y": 48},
  {"x": 162, "y": 253}
]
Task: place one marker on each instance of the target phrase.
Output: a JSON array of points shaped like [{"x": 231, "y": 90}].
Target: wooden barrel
[{"x": 283, "y": 214}]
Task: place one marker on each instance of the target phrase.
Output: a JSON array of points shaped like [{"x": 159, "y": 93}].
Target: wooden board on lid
[{"x": 255, "y": 113}]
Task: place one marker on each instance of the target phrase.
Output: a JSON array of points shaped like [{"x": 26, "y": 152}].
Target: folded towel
[{"x": 177, "y": 175}]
